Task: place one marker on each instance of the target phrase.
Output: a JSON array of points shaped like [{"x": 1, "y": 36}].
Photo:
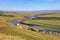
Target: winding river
[{"x": 57, "y": 29}]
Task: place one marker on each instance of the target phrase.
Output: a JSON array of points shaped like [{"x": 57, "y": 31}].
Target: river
[{"x": 36, "y": 26}]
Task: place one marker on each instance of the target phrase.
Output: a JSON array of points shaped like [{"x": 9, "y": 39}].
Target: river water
[{"x": 35, "y": 26}]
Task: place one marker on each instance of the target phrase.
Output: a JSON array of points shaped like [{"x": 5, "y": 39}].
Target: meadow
[
  {"x": 11, "y": 32},
  {"x": 46, "y": 20},
  {"x": 45, "y": 23}
]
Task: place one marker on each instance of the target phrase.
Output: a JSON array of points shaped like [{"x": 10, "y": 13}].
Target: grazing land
[
  {"x": 46, "y": 20},
  {"x": 45, "y": 23},
  {"x": 11, "y": 32}
]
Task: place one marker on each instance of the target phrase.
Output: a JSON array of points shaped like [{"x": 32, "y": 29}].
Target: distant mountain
[
  {"x": 35, "y": 11},
  {"x": 50, "y": 11}
]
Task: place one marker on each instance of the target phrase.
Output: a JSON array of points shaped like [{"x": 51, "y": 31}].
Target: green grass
[
  {"x": 49, "y": 15},
  {"x": 46, "y": 23},
  {"x": 28, "y": 35},
  {"x": 18, "y": 32},
  {"x": 11, "y": 29},
  {"x": 47, "y": 20}
]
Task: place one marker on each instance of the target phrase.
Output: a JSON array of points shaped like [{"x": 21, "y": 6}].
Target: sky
[{"x": 29, "y": 5}]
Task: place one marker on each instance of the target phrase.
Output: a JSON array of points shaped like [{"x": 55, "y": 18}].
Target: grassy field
[
  {"x": 45, "y": 23},
  {"x": 49, "y": 15},
  {"x": 9, "y": 37},
  {"x": 47, "y": 20},
  {"x": 11, "y": 32},
  {"x": 28, "y": 35}
]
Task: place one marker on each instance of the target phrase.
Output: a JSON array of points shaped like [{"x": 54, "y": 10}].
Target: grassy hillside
[
  {"x": 9, "y": 37},
  {"x": 10, "y": 32},
  {"x": 28, "y": 35}
]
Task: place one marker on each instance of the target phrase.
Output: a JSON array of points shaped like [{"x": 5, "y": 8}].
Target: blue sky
[{"x": 29, "y": 5}]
